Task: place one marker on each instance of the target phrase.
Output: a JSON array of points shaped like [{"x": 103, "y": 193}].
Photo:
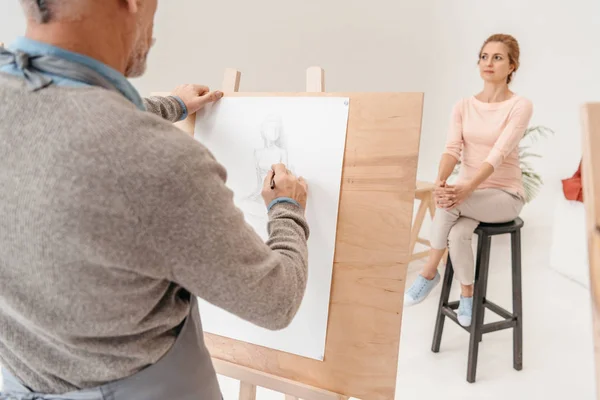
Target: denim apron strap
[
  {"x": 34, "y": 68},
  {"x": 186, "y": 372}
]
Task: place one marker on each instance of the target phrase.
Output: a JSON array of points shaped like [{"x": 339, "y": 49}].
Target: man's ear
[{"x": 132, "y": 5}]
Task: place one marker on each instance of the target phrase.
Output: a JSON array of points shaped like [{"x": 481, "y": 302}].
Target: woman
[{"x": 485, "y": 131}]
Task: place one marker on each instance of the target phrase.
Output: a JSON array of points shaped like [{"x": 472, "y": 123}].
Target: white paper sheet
[{"x": 249, "y": 134}]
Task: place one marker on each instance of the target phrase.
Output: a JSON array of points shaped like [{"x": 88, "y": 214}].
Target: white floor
[{"x": 558, "y": 361}]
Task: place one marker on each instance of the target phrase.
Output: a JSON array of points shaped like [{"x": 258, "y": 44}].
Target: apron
[{"x": 186, "y": 372}]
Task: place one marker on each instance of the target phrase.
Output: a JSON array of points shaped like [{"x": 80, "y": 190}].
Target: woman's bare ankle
[
  {"x": 429, "y": 275},
  {"x": 466, "y": 291}
]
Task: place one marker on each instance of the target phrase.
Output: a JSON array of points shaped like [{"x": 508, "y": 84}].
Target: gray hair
[
  {"x": 39, "y": 10},
  {"x": 44, "y": 11}
]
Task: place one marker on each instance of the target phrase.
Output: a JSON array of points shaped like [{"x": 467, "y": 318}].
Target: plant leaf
[
  {"x": 526, "y": 154},
  {"x": 534, "y": 133}
]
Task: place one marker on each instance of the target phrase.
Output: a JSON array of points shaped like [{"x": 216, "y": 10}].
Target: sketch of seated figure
[{"x": 272, "y": 152}]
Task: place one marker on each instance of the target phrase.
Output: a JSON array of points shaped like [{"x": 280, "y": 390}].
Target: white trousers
[{"x": 454, "y": 228}]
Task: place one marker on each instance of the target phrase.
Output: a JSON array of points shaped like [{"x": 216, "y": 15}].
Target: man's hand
[
  {"x": 196, "y": 96},
  {"x": 286, "y": 185}
]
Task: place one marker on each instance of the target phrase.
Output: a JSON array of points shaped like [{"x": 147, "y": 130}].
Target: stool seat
[{"x": 499, "y": 229}]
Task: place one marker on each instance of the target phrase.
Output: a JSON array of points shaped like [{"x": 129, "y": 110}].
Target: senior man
[{"x": 113, "y": 221}]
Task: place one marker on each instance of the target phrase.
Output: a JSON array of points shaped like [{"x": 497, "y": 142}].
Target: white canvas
[{"x": 308, "y": 134}]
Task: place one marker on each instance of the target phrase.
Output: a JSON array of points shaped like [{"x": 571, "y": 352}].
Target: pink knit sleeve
[
  {"x": 512, "y": 134},
  {"x": 454, "y": 139}
]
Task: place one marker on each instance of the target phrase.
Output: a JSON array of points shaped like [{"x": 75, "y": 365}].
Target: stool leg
[
  {"x": 483, "y": 262},
  {"x": 483, "y": 277},
  {"x": 444, "y": 297},
  {"x": 517, "y": 301}
]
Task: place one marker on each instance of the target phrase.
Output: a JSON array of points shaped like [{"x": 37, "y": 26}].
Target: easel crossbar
[{"x": 260, "y": 379}]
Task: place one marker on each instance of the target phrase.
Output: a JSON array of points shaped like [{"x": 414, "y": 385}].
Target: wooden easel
[
  {"x": 591, "y": 196},
  {"x": 423, "y": 193},
  {"x": 371, "y": 257}
]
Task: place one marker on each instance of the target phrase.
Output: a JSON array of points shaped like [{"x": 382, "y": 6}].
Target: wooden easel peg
[{"x": 315, "y": 80}]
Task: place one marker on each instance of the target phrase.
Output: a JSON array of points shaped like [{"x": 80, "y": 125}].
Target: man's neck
[{"x": 75, "y": 37}]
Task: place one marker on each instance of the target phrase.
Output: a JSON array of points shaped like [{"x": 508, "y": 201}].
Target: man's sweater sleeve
[
  {"x": 209, "y": 249},
  {"x": 170, "y": 108}
]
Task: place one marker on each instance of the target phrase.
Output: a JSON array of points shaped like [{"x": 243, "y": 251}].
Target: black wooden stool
[{"x": 480, "y": 303}]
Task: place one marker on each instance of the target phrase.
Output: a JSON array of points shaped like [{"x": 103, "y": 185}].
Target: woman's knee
[
  {"x": 440, "y": 227},
  {"x": 460, "y": 234},
  {"x": 443, "y": 219}
]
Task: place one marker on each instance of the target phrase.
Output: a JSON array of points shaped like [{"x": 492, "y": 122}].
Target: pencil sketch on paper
[
  {"x": 274, "y": 151},
  {"x": 247, "y": 136}
]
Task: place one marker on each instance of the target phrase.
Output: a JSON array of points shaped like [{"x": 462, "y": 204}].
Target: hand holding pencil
[{"x": 281, "y": 183}]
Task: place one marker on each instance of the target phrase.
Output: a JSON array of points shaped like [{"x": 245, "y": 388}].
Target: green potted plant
[{"x": 532, "y": 181}]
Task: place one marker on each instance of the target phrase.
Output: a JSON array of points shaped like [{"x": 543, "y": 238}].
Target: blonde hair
[{"x": 512, "y": 47}]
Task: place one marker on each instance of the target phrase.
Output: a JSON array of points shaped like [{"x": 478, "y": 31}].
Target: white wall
[
  {"x": 429, "y": 46},
  {"x": 559, "y": 72},
  {"x": 12, "y": 22}
]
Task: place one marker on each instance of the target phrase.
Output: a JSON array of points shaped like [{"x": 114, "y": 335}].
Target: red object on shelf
[{"x": 573, "y": 187}]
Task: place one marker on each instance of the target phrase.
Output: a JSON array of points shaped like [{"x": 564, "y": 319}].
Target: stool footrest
[
  {"x": 498, "y": 326},
  {"x": 448, "y": 312},
  {"x": 453, "y": 305},
  {"x": 497, "y": 309},
  {"x": 508, "y": 322}
]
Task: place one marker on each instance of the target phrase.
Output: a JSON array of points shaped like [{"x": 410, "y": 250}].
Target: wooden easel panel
[
  {"x": 591, "y": 196},
  {"x": 374, "y": 222}
]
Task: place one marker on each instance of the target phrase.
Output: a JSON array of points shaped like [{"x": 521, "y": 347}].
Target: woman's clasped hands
[{"x": 450, "y": 196}]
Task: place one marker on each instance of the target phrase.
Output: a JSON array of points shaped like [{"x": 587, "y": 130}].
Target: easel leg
[
  {"x": 431, "y": 206},
  {"x": 432, "y": 213},
  {"x": 416, "y": 228},
  {"x": 247, "y": 391}
]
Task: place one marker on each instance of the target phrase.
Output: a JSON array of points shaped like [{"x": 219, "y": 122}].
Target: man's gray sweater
[{"x": 110, "y": 217}]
